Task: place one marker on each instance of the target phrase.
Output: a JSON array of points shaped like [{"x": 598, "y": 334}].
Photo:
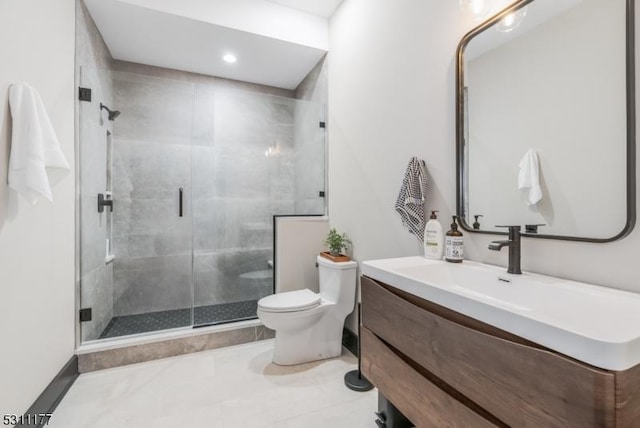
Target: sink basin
[{"x": 593, "y": 324}]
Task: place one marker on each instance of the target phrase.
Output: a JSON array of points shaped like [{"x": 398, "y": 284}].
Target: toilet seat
[{"x": 291, "y": 301}]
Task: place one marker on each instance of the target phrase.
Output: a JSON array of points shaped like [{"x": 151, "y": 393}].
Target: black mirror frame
[{"x": 631, "y": 126}]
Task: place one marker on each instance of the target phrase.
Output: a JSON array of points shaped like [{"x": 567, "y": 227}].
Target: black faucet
[{"x": 514, "y": 248}]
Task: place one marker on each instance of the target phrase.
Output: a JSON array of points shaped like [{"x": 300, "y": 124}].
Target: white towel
[
  {"x": 529, "y": 177},
  {"x": 36, "y": 160},
  {"x": 410, "y": 202}
]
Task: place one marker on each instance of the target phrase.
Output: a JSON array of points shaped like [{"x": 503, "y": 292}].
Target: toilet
[{"x": 309, "y": 325}]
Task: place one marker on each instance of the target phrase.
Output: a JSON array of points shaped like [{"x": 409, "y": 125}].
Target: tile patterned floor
[
  {"x": 162, "y": 320},
  {"x": 225, "y": 312},
  {"x": 235, "y": 387}
]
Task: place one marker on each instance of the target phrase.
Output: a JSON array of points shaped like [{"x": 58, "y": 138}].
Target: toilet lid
[{"x": 290, "y": 301}]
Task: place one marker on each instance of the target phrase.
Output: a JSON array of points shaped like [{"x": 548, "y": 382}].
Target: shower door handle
[{"x": 180, "y": 192}]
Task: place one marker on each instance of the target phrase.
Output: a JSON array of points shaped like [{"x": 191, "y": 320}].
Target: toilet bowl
[{"x": 309, "y": 325}]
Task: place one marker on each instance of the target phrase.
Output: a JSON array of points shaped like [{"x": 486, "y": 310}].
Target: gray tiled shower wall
[
  {"x": 95, "y": 275},
  {"x": 232, "y": 150},
  {"x": 97, "y": 280}
]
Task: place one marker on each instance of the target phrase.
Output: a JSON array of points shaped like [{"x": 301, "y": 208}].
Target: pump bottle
[
  {"x": 454, "y": 243},
  {"x": 433, "y": 238}
]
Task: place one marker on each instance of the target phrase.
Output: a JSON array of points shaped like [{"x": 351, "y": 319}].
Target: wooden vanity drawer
[
  {"x": 417, "y": 398},
  {"x": 521, "y": 385}
]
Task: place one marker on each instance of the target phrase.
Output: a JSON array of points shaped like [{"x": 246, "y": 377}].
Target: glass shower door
[
  {"x": 95, "y": 142},
  {"x": 230, "y": 204},
  {"x": 149, "y": 281},
  {"x": 195, "y": 173},
  {"x": 262, "y": 155}
]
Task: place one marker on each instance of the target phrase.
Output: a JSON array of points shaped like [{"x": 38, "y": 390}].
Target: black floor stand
[{"x": 354, "y": 379}]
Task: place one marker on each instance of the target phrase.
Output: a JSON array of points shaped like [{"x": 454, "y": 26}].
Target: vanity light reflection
[{"x": 512, "y": 20}]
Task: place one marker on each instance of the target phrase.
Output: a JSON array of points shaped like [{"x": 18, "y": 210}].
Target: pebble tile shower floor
[{"x": 162, "y": 320}]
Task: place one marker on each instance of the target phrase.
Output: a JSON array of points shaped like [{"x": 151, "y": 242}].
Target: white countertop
[{"x": 594, "y": 324}]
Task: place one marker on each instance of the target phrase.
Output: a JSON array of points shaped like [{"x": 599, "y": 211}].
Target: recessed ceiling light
[{"x": 230, "y": 58}]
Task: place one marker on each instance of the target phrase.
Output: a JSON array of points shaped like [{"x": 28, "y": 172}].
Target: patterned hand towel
[{"x": 410, "y": 203}]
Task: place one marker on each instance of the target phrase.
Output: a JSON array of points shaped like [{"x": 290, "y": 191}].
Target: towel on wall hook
[
  {"x": 35, "y": 161},
  {"x": 410, "y": 202},
  {"x": 529, "y": 177}
]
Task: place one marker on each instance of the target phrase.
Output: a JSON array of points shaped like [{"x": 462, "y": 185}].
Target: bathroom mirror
[{"x": 545, "y": 95}]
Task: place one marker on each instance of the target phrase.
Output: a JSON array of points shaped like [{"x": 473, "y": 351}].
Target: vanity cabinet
[{"x": 443, "y": 369}]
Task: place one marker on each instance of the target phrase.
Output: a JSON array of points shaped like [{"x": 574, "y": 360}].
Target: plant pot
[{"x": 336, "y": 259}]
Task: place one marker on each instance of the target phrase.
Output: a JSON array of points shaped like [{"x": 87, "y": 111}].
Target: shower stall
[{"x": 180, "y": 178}]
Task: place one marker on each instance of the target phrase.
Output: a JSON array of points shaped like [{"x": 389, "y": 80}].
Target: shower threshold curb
[
  {"x": 159, "y": 336},
  {"x": 202, "y": 339}
]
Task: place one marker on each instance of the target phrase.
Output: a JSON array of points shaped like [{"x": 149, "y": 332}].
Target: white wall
[
  {"x": 36, "y": 242},
  {"x": 391, "y": 82},
  {"x": 391, "y": 96},
  {"x": 299, "y": 240}
]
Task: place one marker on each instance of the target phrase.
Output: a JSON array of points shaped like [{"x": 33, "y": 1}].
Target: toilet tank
[{"x": 338, "y": 282}]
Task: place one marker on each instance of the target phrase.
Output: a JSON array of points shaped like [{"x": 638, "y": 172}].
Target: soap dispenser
[
  {"x": 433, "y": 238},
  {"x": 454, "y": 243},
  {"x": 476, "y": 224}
]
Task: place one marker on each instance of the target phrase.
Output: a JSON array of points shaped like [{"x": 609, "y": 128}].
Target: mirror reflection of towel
[
  {"x": 529, "y": 177},
  {"x": 36, "y": 160},
  {"x": 410, "y": 202}
]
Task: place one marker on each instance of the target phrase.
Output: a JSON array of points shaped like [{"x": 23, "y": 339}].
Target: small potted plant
[{"x": 336, "y": 243}]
